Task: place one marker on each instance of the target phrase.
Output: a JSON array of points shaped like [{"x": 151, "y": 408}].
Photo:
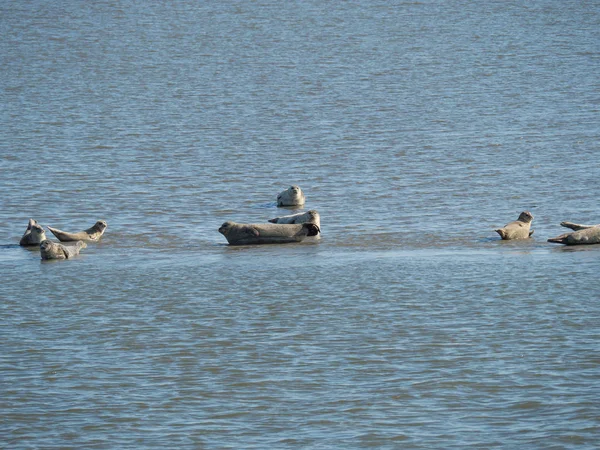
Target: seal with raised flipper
[
  {"x": 34, "y": 234},
  {"x": 92, "y": 234},
  {"x": 54, "y": 250},
  {"x": 292, "y": 196},
  {"x": 577, "y": 226},
  {"x": 311, "y": 216},
  {"x": 266, "y": 233},
  {"x": 519, "y": 229},
  {"x": 583, "y": 234}
]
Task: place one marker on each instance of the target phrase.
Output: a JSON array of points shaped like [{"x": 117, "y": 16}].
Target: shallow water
[{"x": 414, "y": 128}]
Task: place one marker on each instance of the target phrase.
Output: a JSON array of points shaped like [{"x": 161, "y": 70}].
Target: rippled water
[{"x": 414, "y": 128}]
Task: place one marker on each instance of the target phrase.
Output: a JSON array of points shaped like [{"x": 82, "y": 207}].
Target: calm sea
[{"x": 414, "y": 128}]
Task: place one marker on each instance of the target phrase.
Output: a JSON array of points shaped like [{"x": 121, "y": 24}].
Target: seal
[
  {"x": 267, "y": 233},
  {"x": 92, "y": 234},
  {"x": 519, "y": 229},
  {"x": 311, "y": 216},
  {"x": 34, "y": 234},
  {"x": 583, "y": 234},
  {"x": 54, "y": 250},
  {"x": 292, "y": 196}
]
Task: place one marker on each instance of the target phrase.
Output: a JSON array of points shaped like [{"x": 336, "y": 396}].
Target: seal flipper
[
  {"x": 501, "y": 232},
  {"x": 251, "y": 231},
  {"x": 562, "y": 239},
  {"x": 60, "y": 235},
  {"x": 576, "y": 226},
  {"x": 531, "y": 232}
]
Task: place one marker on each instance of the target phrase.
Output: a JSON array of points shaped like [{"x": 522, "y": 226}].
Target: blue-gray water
[{"x": 414, "y": 128}]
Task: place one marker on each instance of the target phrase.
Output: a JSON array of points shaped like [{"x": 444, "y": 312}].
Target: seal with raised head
[
  {"x": 34, "y": 234},
  {"x": 292, "y": 196},
  {"x": 92, "y": 234},
  {"x": 519, "y": 229},
  {"x": 583, "y": 234},
  {"x": 267, "y": 233},
  {"x": 311, "y": 216},
  {"x": 54, "y": 250}
]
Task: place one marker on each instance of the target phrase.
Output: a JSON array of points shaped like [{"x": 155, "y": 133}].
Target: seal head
[
  {"x": 526, "y": 217},
  {"x": 34, "y": 234},
  {"x": 292, "y": 196}
]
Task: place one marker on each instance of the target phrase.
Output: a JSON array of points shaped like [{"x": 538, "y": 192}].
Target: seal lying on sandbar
[
  {"x": 92, "y": 234},
  {"x": 54, "y": 250},
  {"x": 583, "y": 234},
  {"x": 267, "y": 233},
  {"x": 311, "y": 216},
  {"x": 292, "y": 196},
  {"x": 34, "y": 234},
  {"x": 519, "y": 229}
]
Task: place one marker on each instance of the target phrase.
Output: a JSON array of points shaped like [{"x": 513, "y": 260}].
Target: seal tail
[
  {"x": 61, "y": 235},
  {"x": 576, "y": 226},
  {"x": 501, "y": 232},
  {"x": 562, "y": 239}
]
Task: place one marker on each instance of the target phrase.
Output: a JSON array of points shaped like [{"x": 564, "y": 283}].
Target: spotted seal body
[
  {"x": 54, "y": 250},
  {"x": 34, "y": 234},
  {"x": 311, "y": 216},
  {"x": 92, "y": 234},
  {"x": 292, "y": 196},
  {"x": 267, "y": 233},
  {"x": 583, "y": 235},
  {"x": 519, "y": 229}
]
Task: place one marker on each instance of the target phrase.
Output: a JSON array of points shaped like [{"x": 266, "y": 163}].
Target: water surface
[{"x": 414, "y": 128}]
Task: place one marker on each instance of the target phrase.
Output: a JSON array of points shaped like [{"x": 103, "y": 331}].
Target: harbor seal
[
  {"x": 54, "y": 250},
  {"x": 34, "y": 234},
  {"x": 267, "y": 233},
  {"x": 92, "y": 234},
  {"x": 519, "y": 229},
  {"x": 292, "y": 196},
  {"x": 311, "y": 216},
  {"x": 583, "y": 234}
]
